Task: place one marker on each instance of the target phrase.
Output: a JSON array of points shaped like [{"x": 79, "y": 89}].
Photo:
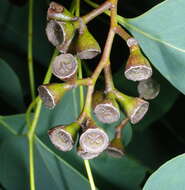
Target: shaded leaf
[
  {"x": 13, "y": 163},
  {"x": 13, "y": 29},
  {"x": 10, "y": 87},
  {"x": 169, "y": 176}
]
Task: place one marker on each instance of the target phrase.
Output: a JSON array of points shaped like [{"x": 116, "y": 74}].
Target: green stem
[
  {"x": 32, "y": 128},
  {"x": 28, "y": 111},
  {"x": 46, "y": 80},
  {"x": 49, "y": 73},
  {"x": 31, "y": 163},
  {"x": 99, "y": 10},
  {"x": 89, "y": 173},
  {"x": 30, "y": 49},
  {"x": 80, "y": 76}
]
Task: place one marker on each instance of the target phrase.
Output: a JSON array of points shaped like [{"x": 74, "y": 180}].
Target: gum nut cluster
[{"x": 70, "y": 35}]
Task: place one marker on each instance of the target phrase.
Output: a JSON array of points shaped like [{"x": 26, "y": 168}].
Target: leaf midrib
[{"x": 124, "y": 22}]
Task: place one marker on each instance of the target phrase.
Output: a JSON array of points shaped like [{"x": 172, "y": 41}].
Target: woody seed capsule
[
  {"x": 63, "y": 137},
  {"x": 93, "y": 139},
  {"x": 86, "y": 45},
  {"x": 60, "y": 34},
  {"x": 134, "y": 107},
  {"x": 51, "y": 94},
  {"x": 115, "y": 148},
  {"x": 65, "y": 66},
  {"x": 106, "y": 109},
  {"x": 86, "y": 155},
  {"x": 148, "y": 89},
  {"x": 137, "y": 68}
]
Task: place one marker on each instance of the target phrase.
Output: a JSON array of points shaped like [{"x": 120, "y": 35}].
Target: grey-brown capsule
[
  {"x": 148, "y": 89},
  {"x": 60, "y": 34},
  {"x": 115, "y": 152},
  {"x": 51, "y": 94},
  {"x": 65, "y": 66},
  {"x": 138, "y": 112},
  {"x": 107, "y": 113},
  {"x": 134, "y": 107},
  {"x": 86, "y": 155},
  {"x": 93, "y": 139},
  {"x": 105, "y": 108},
  {"x": 137, "y": 68},
  {"x": 61, "y": 138}
]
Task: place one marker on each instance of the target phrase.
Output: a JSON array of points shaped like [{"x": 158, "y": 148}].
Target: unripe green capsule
[{"x": 86, "y": 46}]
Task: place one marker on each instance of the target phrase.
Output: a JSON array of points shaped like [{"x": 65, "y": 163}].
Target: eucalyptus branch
[
  {"x": 120, "y": 127},
  {"x": 103, "y": 62},
  {"x": 109, "y": 84},
  {"x": 122, "y": 33},
  {"x": 99, "y": 10}
]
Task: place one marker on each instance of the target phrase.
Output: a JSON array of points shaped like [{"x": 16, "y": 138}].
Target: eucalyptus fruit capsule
[
  {"x": 51, "y": 94},
  {"x": 116, "y": 147},
  {"x": 148, "y": 89},
  {"x": 93, "y": 139},
  {"x": 105, "y": 108},
  {"x": 138, "y": 67},
  {"x": 60, "y": 34},
  {"x": 86, "y": 46},
  {"x": 86, "y": 155},
  {"x": 65, "y": 66},
  {"x": 134, "y": 107},
  {"x": 63, "y": 137}
]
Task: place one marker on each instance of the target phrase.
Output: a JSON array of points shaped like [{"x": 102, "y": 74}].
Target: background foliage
[{"x": 158, "y": 138}]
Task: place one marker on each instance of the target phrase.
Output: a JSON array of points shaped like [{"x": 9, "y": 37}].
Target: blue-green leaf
[
  {"x": 169, "y": 176},
  {"x": 10, "y": 87}
]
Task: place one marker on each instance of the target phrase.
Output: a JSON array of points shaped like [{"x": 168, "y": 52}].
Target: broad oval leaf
[
  {"x": 160, "y": 34},
  {"x": 10, "y": 87},
  {"x": 169, "y": 176}
]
